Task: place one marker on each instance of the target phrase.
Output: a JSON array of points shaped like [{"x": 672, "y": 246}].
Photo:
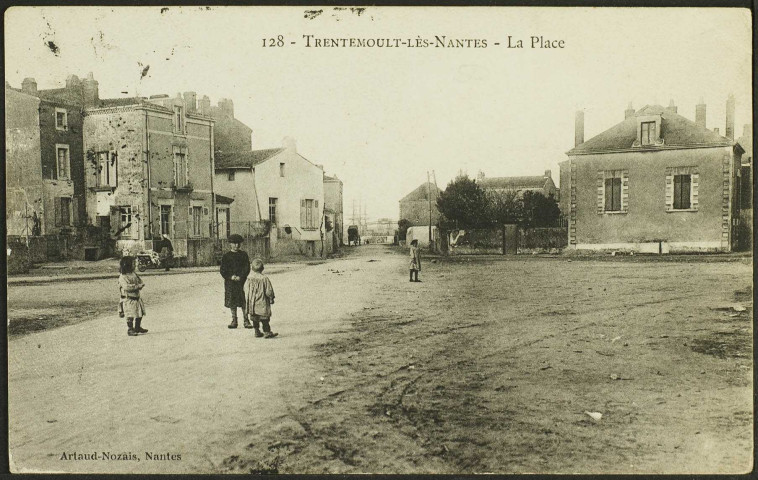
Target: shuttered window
[
  {"x": 125, "y": 219},
  {"x": 309, "y": 216},
  {"x": 62, "y": 206},
  {"x": 682, "y": 189},
  {"x": 612, "y": 194}
]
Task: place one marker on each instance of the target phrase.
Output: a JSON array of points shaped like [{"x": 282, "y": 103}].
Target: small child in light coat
[
  {"x": 259, "y": 296},
  {"x": 415, "y": 261},
  {"x": 130, "y": 305}
]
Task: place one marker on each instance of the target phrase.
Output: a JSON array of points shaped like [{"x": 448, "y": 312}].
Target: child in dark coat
[{"x": 235, "y": 267}]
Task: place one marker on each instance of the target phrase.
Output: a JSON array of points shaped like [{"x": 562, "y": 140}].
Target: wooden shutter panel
[
  {"x": 315, "y": 218},
  {"x": 695, "y": 182},
  {"x": 669, "y": 189},
  {"x": 625, "y": 190},
  {"x": 302, "y": 213},
  {"x": 608, "y": 194},
  {"x": 600, "y": 191}
]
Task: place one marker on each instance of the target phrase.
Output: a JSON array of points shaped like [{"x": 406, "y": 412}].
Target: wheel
[{"x": 141, "y": 265}]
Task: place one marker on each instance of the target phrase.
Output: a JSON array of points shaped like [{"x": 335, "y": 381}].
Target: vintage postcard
[{"x": 334, "y": 240}]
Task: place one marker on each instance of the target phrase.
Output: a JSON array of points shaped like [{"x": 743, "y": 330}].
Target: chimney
[
  {"x": 90, "y": 91},
  {"x": 579, "y": 128},
  {"x": 190, "y": 102},
  {"x": 29, "y": 85},
  {"x": 227, "y": 107},
  {"x": 729, "y": 130},
  {"x": 72, "y": 81},
  {"x": 205, "y": 105},
  {"x": 700, "y": 113},
  {"x": 629, "y": 112},
  {"x": 716, "y": 131},
  {"x": 548, "y": 174},
  {"x": 290, "y": 144},
  {"x": 671, "y": 108}
]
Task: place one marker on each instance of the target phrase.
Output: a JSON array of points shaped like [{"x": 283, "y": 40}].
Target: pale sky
[{"x": 380, "y": 118}]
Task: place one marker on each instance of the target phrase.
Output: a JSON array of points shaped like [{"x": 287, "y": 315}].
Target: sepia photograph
[{"x": 379, "y": 240}]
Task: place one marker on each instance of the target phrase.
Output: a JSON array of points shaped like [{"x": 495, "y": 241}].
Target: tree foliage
[
  {"x": 402, "y": 228},
  {"x": 538, "y": 210},
  {"x": 464, "y": 205}
]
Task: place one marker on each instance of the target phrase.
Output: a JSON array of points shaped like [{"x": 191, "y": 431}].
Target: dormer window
[
  {"x": 648, "y": 135},
  {"x": 178, "y": 119},
  {"x": 648, "y": 131}
]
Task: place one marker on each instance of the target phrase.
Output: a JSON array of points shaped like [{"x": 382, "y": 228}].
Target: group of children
[{"x": 252, "y": 292}]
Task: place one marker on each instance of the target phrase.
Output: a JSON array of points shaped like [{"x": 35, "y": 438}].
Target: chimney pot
[
  {"x": 29, "y": 85},
  {"x": 700, "y": 113},
  {"x": 579, "y": 128},
  {"x": 548, "y": 174},
  {"x": 629, "y": 112},
  {"x": 729, "y": 130},
  {"x": 671, "y": 108}
]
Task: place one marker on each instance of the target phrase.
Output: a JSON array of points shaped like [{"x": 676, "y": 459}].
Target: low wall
[
  {"x": 476, "y": 242},
  {"x": 543, "y": 238},
  {"x": 88, "y": 243}
]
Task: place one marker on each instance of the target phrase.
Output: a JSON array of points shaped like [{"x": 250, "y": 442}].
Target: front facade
[
  {"x": 420, "y": 206},
  {"x": 278, "y": 186},
  {"x": 44, "y": 159},
  {"x": 149, "y": 171},
  {"x": 654, "y": 183},
  {"x": 333, "y": 208}
]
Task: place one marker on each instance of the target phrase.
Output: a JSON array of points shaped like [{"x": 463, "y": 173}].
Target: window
[
  {"x": 648, "y": 134},
  {"x": 106, "y": 169},
  {"x": 272, "y": 210},
  {"x": 166, "y": 220},
  {"x": 197, "y": 217},
  {"x": 125, "y": 221},
  {"x": 61, "y": 119},
  {"x": 612, "y": 191},
  {"x": 223, "y": 218},
  {"x": 281, "y": 169},
  {"x": 180, "y": 169},
  {"x": 63, "y": 211},
  {"x": 309, "y": 216},
  {"x": 612, "y": 194},
  {"x": 682, "y": 190},
  {"x": 63, "y": 168},
  {"x": 231, "y": 176},
  {"x": 178, "y": 119}
]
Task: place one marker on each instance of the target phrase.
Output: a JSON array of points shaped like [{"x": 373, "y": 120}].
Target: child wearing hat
[
  {"x": 260, "y": 297},
  {"x": 235, "y": 267}
]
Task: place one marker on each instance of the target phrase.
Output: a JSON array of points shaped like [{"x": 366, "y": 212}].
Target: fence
[{"x": 508, "y": 239}]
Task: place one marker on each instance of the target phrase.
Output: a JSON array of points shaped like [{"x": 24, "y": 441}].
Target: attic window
[
  {"x": 647, "y": 133},
  {"x": 231, "y": 176},
  {"x": 61, "y": 119}
]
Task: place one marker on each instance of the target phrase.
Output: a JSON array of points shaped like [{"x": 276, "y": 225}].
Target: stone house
[
  {"x": 542, "y": 184},
  {"x": 149, "y": 170},
  {"x": 280, "y": 186},
  {"x": 415, "y": 207},
  {"x": 44, "y": 162},
  {"x": 334, "y": 209},
  {"x": 656, "y": 182}
]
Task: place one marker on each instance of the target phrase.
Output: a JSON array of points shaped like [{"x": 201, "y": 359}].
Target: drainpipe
[
  {"x": 213, "y": 173},
  {"x": 149, "y": 183}
]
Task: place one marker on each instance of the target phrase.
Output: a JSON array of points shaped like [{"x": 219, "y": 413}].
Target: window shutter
[
  {"x": 693, "y": 195},
  {"x": 315, "y": 218},
  {"x": 302, "y": 213},
  {"x": 600, "y": 191},
  {"x": 669, "y": 189},
  {"x": 624, "y": 190}
]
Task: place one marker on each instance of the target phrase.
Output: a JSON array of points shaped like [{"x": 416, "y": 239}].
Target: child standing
[
  {"x": 415, "y": 260},
  {"x": 130, "y": 285},
  {"x": 260, "y": 297},
  {"x": 235, "y": 267}
]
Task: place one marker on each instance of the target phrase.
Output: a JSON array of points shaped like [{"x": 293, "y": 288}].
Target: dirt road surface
[{"x": 491, "y": 364}]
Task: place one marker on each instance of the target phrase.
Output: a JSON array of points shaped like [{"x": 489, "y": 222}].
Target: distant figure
[
  {"x": 415, "y": 261},
  {"x": 131, "y": 306},
  {"x": 166, "y": 251},
  {"x": 36, "y": 225},
  {"x": 260, "y": 297},
  {"x": 235, "y": 267}
]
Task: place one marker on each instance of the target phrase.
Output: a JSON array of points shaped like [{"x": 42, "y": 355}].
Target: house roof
[
  {"x": 513, "y": 183},
  {"x": 676, "y": 131},
  {"x": 224, "y": 200},
  {"x": 422, "y": 192},
  {"x": 244, "y": 159}
]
